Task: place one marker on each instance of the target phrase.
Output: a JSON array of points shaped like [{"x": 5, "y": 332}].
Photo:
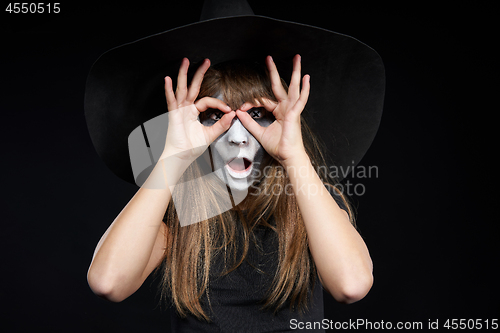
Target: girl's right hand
[{"x": 187, "y": 138}]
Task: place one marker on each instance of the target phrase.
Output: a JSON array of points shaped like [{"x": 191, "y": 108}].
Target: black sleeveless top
[{"x": 236, "y": 298}]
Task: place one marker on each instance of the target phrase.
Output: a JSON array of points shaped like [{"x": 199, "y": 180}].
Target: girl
[{"x": 260, "y": 264}]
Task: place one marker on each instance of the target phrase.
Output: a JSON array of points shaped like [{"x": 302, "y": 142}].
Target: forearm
[
  {"x": 340, "y": 254},
  {"x": 126, "y": 253}
]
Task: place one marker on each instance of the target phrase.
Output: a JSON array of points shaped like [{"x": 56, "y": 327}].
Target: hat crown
[{"x": 213, "y": 9}]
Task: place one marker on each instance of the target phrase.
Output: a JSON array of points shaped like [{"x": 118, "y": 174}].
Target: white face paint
[{"x": 236, "y": 154}]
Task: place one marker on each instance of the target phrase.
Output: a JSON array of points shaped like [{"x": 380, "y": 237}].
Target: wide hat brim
[{"x": 125, "y": 87}]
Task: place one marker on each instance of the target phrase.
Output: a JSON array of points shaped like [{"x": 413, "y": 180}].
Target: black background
[{"x": 427, "y": 218}]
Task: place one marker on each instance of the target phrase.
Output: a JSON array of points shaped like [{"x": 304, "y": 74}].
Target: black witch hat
[{"x": 125, "y": 86}]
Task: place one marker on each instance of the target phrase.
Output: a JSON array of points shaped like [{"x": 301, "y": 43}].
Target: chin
[
  {"x": 235, "y": 183},
  {"x": 240, "y": 185}
]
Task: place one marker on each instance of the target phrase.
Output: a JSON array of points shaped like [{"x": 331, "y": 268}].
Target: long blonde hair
[{"x": 191, "y": 249}]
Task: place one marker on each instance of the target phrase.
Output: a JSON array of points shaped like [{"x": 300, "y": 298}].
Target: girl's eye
[
  {"x": 256, "y": 113},
  {"x": 216, "y": 115}
]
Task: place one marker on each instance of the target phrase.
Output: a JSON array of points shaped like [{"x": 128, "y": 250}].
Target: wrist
[
  {"x": 167, "y": 172},
  {"x": 178, "y": 157},
  {"x": 299, "y": 167},
  {"x": 300, "y": 159},
  {"x": 175, "y": 162}
]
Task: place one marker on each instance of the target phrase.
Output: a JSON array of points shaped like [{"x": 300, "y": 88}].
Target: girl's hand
[
  {"x": 187, "y": 138},
  {"x": 283, "y": 138}
]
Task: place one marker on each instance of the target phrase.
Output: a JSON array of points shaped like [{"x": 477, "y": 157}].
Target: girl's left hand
[{"x": 283, "y": 138}]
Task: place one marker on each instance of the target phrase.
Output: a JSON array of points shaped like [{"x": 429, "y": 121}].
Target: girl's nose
[{"x": 237, "y": 134}]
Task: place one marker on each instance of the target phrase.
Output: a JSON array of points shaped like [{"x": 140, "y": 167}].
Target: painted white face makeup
[{"x": 237, "y": 155}]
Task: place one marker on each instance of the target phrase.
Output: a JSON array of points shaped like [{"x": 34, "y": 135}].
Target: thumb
[
  {"x": 214, "y": 131},
  {"x": 250, "y": 124}
]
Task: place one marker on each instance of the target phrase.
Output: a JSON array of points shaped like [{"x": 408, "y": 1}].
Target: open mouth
[
  {"x": 239, "y": 167},
  {"x": 239, "y": 164}
]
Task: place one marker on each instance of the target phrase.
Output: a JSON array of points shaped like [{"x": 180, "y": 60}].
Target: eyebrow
[{"x": 257, "y": 108}]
